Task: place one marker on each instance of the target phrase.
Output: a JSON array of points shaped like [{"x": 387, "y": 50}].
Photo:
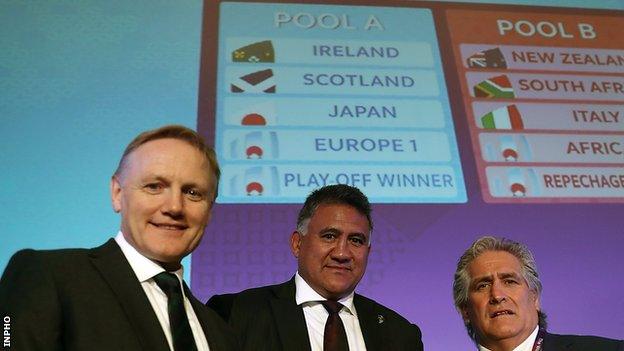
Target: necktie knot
[
  {"x": 168, "y": 283},
  {"x": 331, "y": 306}
]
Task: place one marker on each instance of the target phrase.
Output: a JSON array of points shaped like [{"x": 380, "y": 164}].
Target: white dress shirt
[
  {"x": 526, "y": 345},
  {"x": 145, "y": 269},
  {"x": 316, "y": 315}
]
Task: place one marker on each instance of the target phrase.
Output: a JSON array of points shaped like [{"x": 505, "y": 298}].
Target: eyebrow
[
  {"x": 331, "y": 229},
  {"x": 338, "y": 231},
  {"x": 160, "y": 178},
  {"x": 509, "y": 275},
  {"x": 490, "y": 277}
]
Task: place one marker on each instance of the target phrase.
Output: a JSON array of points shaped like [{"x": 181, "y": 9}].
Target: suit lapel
[
  {"x": 109, "y": 260},
  {"x": 289, "y": 318},
  {"x": 369, "y": 323}
]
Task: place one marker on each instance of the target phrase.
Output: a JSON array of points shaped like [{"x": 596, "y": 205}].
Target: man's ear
[
  {"x": 536, "y": 300},
  {"x": 295, "y": 243},
  {"x": 115, "y": 192}
]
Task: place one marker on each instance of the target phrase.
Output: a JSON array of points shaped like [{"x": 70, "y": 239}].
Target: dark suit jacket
[
  {"x": 88, "y": 299},
  {"x": 268, "y": 318},
  {"x": 554, "y": 342}
]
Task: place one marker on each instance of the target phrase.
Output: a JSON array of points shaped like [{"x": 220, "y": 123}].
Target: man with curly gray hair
[{"x": 497, "y": 289}]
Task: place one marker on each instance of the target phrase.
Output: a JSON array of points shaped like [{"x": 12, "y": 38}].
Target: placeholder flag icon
[
  {"x": 256, "y": 181},
  {"x": 506, "y": 148},
  {"x": 261, "y": 51},
  {"x": 517, "y": 185},
  {"x": 495, "y": 87},
  {"x": 509, "y": 148},
  {"x": 256, "y": 82},
  {"x": 492, "y": 58},
  {"x": 523, "y": 182},
  {"x": 507, "y": 117},
  {"x": 254, "y": 146},
  {"x": 514, "y": 182}
]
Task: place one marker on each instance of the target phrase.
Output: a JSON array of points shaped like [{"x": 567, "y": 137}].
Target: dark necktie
[
  {"x": 178, "y": 320},
  {"x": 334, "y": 337}
]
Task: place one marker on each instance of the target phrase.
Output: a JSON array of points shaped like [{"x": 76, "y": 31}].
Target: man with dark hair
[
  {"x": 317, "y": 309},
  {"x": 497, "y": 291},
  {"x": 127, "y": 294}
]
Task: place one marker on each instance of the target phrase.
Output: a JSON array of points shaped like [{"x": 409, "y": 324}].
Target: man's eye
[
  {"x": 481, "y": 286},
  {"x": 153, "y": 187},
  {"x": 329, "y": 236},
  {"x": 511, "y": 281},
  {"x": 357, "y": 240},
  {"x": 194, "y": 194}
]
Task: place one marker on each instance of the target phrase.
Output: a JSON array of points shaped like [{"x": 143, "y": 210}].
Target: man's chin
[
  {"x": 338, "y": 291},
  {"x": 503, "y": 332},
  {"x": 167, "y": 259},
  {"x": 170, "y": 264}
]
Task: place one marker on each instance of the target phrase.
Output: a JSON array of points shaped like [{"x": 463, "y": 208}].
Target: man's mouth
[
  {"x": 501, "y": 313},
  {"x": 169, "y": 226},
  {"x": 342, "y": 268}
]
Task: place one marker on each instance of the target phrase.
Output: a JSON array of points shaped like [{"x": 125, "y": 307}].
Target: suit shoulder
[
  {"x": 383, "y": 310},
  {"x": 254, "y": 295},
  {"x": 394, "y": 330},
  {"x": 54, "y": 253},
  {"x": 250, "y": 300},
  {"x": 49, "y": 258},
  {"x": 588, "y": 342}
]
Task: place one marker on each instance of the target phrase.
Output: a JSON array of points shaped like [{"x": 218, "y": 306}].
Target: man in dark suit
[
  {"x": 127, "y": 294},
  {"x": 497, "y": 291},
  {"x": 331, "y": 244}
]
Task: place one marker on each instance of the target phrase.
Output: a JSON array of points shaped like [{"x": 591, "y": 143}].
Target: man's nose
[
  {"x": 342, "y": 251},
  {"x": 497, "y": 293},
  {"x": 174, "y": 203}
]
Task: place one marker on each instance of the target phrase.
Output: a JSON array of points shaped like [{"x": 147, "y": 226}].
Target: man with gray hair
[
  {"x": 318, "y": 309},
  {"x": 497, "y": 292}
]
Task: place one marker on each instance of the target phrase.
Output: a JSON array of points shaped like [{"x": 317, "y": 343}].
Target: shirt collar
[
  {"x": 143, "y": 267},
  {"x": 526, "y": 345},
  {"x": 304, "y": 294}
]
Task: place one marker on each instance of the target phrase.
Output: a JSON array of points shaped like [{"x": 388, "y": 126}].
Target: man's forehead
[
  {"x": 338, "y": 211},
  {"x": 156, "y": 157},
  {"x": 495, "y": 262}
]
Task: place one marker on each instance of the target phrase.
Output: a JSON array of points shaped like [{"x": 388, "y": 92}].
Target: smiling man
[
  {"x": 497, "y": 292},
  {"x": 127, "y": 294},
  {"x": 318, "y": 308}
]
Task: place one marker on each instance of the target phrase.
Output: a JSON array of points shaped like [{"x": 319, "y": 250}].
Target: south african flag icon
[{"x": 498, "y": 87}]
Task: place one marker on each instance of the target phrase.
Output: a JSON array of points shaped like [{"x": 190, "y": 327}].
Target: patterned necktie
[
  {"x": 178, "y": 320},
  {"x": 334, "y": 337}
]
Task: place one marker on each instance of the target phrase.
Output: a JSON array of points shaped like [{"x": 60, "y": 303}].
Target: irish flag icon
[
  {"x": 261, "y": 51},
  {"x": 506, "y": 117},
  {"x": 498, "y": 87}
]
